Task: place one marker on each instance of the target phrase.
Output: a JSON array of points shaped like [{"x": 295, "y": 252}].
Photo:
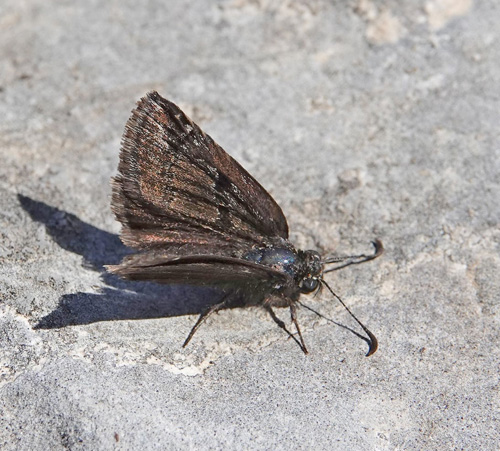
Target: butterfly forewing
[{"x": 179, "y": 190}]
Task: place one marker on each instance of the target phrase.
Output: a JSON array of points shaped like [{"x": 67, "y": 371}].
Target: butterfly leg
[
  {"x": 282, "y": 325},
  {"x": 293, "y": 314},
  {"x": 203, "y": 317}
]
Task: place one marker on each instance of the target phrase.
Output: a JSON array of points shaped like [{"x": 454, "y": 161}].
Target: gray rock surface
[{"x": 363, "y": 119}]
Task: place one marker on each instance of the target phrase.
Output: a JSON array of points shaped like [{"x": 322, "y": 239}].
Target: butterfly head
[{"x": 313, "y": 270}]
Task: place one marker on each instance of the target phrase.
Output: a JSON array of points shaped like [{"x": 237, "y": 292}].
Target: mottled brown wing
[
  {"x": 201, "y": 270},
  {"x": 178, "y": 189}
]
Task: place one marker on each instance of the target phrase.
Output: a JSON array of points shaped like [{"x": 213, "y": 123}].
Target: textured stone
[{"x": 363, "y": 120}]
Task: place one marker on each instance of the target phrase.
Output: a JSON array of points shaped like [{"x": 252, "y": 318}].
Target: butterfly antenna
[
  {"x": 355, "y": 259},
  {"x": 373, "y": 340}
]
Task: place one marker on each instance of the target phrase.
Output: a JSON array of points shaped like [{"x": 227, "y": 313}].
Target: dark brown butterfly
[{"x": 198, "y": 218}]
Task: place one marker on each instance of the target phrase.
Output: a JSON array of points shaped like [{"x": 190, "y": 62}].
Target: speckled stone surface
[{"x": 363, "y": 119}]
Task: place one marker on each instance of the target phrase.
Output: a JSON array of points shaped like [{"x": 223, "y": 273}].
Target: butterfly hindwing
[{"x": 211, "y": 270}]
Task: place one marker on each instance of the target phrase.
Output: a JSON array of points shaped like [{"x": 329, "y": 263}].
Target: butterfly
[{"x": 196, "y": 217}]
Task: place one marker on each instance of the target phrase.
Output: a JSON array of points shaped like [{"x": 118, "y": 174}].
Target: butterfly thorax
[{"x": 304, "y": 266}]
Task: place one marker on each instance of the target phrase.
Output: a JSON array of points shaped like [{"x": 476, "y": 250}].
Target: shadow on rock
[{"x": 121, "y": 299}]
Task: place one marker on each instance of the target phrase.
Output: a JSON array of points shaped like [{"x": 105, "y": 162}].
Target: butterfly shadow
[{"x": 118, "y": 299}]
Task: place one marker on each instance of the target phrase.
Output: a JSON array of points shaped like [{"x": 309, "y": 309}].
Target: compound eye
[{"x": 309, "y": 285}]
